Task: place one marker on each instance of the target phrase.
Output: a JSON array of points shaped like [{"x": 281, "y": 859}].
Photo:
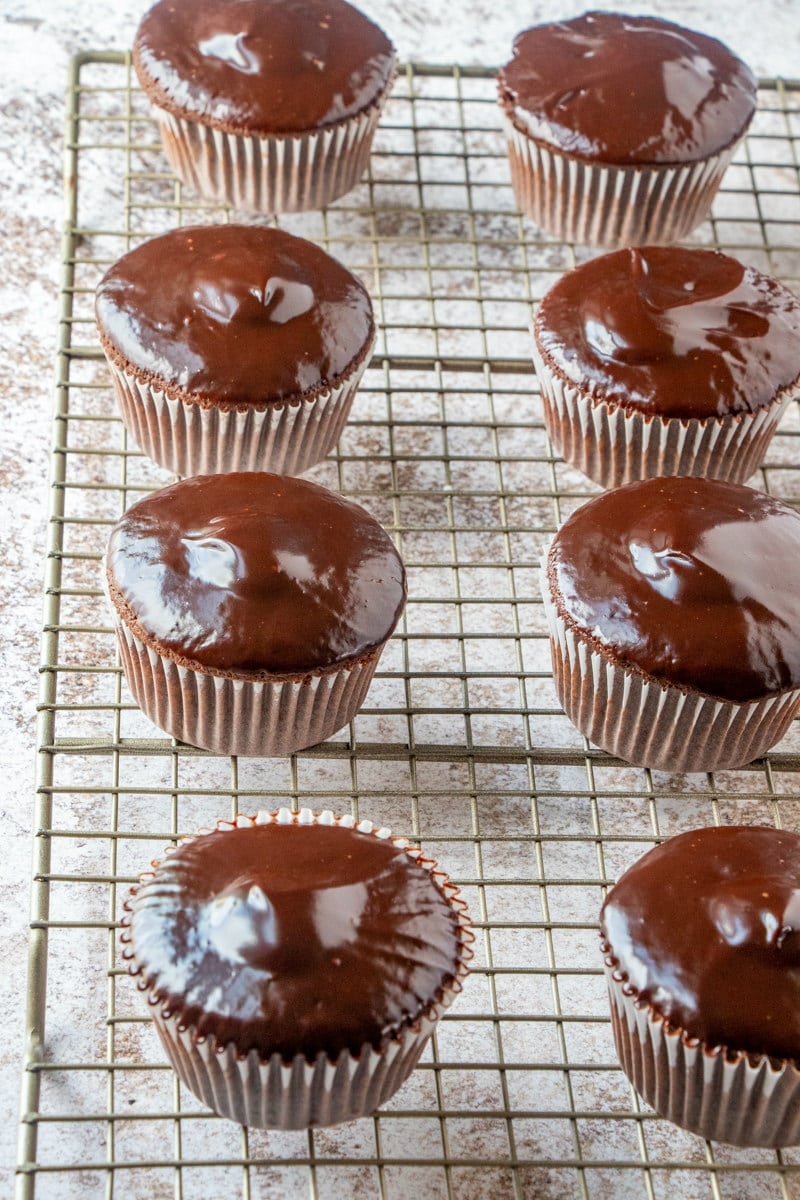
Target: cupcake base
[
  {"x": 747, "y": 1100},
  {"x": 607, "y": 205},
  {"x": 189, "y": 438},
  {"x": 614, "y": 447},
  {"x": 275, "y": 1095},
  {"x": 650, "y": 724},
  {"x": 274, "y": 174},
  {"x": 241, "y": 716}
]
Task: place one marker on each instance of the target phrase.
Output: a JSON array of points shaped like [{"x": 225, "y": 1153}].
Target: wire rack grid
[{"x": 461, "y": 744}]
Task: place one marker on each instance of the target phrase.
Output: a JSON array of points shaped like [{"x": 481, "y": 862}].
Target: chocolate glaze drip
[
  {"x": 239, "y": 314},
  {"x": 294, "y": 939},
  {"x": 695, "y": 582},
  {"x": 681, "y": 333},
  {"x": 624, "y": 89},
  {"x": 707, "y": 929},
  {"x": 262, "y": 66},
  {"x": 255, "y": 574}
]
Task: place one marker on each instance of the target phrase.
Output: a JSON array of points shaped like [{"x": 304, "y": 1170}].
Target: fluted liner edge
[
  {"x": 598, "y": 204},
  {"x": 191, "y": 439},
  {"x": 280, "y": 173},
  {"x": 649, "y": 724},
  {"x": 241, "y": 716},
  {"x": 613, "y": 447},
  {"x": 747, "y": 1100}
]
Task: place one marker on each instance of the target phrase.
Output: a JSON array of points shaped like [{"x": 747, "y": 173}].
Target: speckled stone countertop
[{"x": 38, "y": 37}]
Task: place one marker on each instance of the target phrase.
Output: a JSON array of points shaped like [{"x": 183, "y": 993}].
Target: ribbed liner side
[
  {"x": 279, "y": 174},
  {"x": 652, "y": 725},
  {"x": 190, "y": 439},
  {"x": 600, "y": 205},
  {"x": 723, "y": 1098},
  {"x": 236, "y": 716}
]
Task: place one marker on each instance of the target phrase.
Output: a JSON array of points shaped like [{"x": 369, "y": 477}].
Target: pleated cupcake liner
[
  {"x": 650, "y": 724},
  {"x": 241, "y": 716},
  {"x": 279, "y": 173},
  {"x": 275, "y": 1095},
  {"x": 264, "y": 1090},
  {"x": 597, "y": 204},
  {"x": 614, "y": 447},
  {"x": 747, "y": 1100},
  {"x": 191, "y": 439}
]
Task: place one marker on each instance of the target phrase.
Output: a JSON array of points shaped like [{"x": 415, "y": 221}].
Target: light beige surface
[{"x": 35, "y": 46}]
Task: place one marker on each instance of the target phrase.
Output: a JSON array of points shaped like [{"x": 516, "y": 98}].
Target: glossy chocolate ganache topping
[
  {"x": 706, "y": 927},
  {"x": 241, "y": 316},
  {"x": 694, "y": 582},
  {"x": 294, "y": 939},
  {"x": 671, "y": 331},
  {"x": 627, "y": 90},
  {"x": 253, "y": 574},
  {"x": 262, "y": 66}
]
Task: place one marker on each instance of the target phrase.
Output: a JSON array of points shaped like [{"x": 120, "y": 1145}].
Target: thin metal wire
[{"x": 461, "y": 744}]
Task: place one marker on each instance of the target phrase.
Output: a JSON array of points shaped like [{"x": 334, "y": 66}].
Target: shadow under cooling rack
[{"x": 461, "y": 744}]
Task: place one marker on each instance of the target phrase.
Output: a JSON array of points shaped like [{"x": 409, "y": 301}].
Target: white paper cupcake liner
[
  {"x": 650, "y": 724},
  {"x": 273, "y": 1095},
  {"x": 280, "y": 173},
  {"x": 748, "y": 1100},
  {"x": 241, "y": 716},
  {"x": 606, "y": 205},
  {"x": 268, "y": 1092},
  {"x": 614, "y": 447},
  {"x": 191, "y": 439}
]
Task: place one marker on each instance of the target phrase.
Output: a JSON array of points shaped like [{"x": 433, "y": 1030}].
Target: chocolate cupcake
[
  {"x": 234, "y": 348},
  {"x": 251, "y": 609},
  {"x": 674, "y": 613},
  {"x": 268, "y": 105},
  {"x": 620, "y": 128},
  {"x": 701, "y": 939},
  {"x": 295, "y": 964},
  {"x": 666, "y": 361}
]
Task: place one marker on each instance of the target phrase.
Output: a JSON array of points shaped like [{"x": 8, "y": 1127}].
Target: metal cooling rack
[{"x": 461, "y": 744}]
